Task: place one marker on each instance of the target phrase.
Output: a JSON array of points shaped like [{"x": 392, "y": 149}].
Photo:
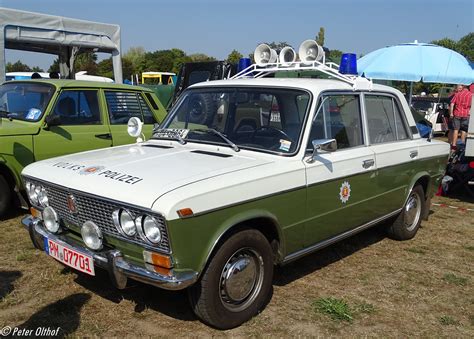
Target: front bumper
[{"x": 112, "y": 260}]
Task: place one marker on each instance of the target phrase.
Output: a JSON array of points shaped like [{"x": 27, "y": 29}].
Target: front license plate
[{"x": 70, "y": 257}]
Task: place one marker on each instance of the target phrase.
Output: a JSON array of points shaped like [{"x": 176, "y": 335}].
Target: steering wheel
[{"x": 271, "y": 128}]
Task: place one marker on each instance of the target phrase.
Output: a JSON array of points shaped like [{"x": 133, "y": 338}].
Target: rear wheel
[
  {"x": 408, "y": 221},
  {"x": 237, "y": 282},
  {"x": 5, "y": 196}
]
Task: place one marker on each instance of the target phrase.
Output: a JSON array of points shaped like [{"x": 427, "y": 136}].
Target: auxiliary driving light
[
  {"x": 51, "y": 220},
  {"x": 91, "y": 235},
  {"x": 134, "y": 127}
]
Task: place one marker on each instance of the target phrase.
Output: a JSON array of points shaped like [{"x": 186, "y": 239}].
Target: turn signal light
[
  {"x": 35, "y": 213},
  {"x": 185, "y": 213},
  {"x": 471, "y": 164},
  {"x": 157, "y": 259}
]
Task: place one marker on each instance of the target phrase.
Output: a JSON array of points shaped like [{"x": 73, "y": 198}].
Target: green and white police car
[{"x": 243, "y": 174}]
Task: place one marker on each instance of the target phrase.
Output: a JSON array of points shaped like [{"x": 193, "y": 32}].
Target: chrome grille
[{"x": 98, "y": 210}]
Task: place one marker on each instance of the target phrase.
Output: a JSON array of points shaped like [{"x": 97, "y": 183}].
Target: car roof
[
  {"x": 313, "y": 85},
  {"x": 70, "y": 83}
]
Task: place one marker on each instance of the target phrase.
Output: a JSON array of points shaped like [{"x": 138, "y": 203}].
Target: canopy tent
[{"x": 61, "y": 36}]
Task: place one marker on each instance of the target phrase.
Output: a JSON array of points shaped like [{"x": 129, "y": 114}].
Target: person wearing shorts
[{"x": 459, "y": 110}]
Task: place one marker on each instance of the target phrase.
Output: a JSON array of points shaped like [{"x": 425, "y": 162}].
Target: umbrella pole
[{"x": 411, "y": 93}]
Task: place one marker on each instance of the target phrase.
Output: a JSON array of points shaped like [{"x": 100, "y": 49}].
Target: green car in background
[{"x": 41, "y": 119}]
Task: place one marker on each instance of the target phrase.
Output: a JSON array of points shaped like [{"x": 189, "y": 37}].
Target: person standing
[{"x": 459, "y": 109}]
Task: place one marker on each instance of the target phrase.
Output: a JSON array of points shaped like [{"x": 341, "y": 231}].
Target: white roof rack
[{"x": 330, "y": 68}]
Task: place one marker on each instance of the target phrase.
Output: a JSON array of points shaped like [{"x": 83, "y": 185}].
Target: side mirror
[
  {"x": 52, "y": 120},
  {"x": 134, "y": 128},
  {"x": 328, "y": 145}
]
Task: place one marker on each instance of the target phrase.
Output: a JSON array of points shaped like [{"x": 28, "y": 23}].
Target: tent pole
[{"x": 411, "y": 93}]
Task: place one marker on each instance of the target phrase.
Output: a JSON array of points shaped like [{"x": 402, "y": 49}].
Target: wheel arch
[
  {"x": 12, "y": 179},
  {"x": 262, "y": 221}
]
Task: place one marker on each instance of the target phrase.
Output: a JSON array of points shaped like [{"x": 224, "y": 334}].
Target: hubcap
[
  {"x": 241, "y": 279},
  {"x": 412, "y": 211}
]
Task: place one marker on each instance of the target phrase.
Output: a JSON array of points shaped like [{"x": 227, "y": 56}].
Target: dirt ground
[{"x": 417, "y": 288}]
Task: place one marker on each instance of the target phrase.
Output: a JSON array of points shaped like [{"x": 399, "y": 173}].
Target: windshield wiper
[
  {"x": 175, "y": 136},
  {"x": 221, "y": 135}
]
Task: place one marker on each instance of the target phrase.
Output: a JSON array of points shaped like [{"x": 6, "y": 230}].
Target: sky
[{"x": 217, "y": 27}]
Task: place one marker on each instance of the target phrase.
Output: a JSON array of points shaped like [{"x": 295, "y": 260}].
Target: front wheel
[
  {"x": 5, "y": 196},
  {"x": 408, "y": 221},
  {"x": 237, "y": 282}
]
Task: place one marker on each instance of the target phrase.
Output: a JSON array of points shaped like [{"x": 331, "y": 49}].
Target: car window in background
[
  {"x": 25, "y": 101},
  {"x": 122, "y": 106},
  {"x": 78, "y": 107}
]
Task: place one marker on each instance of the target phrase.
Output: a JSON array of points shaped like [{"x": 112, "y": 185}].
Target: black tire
[
  {"x": 5, "y": 196},
  {"x": 408, "y": 221},
  {"x": 227, "y": 303},
  {"x": 202, "y": 109}
]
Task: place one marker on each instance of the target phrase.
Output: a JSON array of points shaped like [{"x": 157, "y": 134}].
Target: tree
[
  {"x": 37, "y": 69},
  {"x": 86, "y": 62},
  {"x": 234, "y": 57},
  {"x": 54, "y": 66},
  {"x": 135, "y": 55},
  {"x": 200, "y": 57},
  {"x": 465, "y": 46},
  {"x": 17, "y": 67},
  {"x": 320, "y": 36},
  {"x": 446, "y": 42}
]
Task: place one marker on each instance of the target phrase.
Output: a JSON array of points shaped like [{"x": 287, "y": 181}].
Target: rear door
[
  {"x": 339, "y": 184},
  {"x": 82, "y": 126},
  {"x": 121, "y": 106},
  {"x": 395, "y": 152}
]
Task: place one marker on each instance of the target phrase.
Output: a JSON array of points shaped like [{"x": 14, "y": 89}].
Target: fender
[{"x": 237, "y": 220}]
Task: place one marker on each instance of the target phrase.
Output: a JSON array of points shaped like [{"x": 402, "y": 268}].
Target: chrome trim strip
[
  {"x": 298, "y": 254},
  {"x": 113, "y": 261}
]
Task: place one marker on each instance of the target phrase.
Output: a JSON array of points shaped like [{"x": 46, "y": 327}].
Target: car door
[
  {"x": 81, "y": 126},
  {"x": 121, "y": 106},
  {"x": 340, "y": 183},
  {"x": 395, "y": 151}
]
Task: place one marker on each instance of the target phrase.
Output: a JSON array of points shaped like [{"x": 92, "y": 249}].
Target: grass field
[{"x": 367, "y": 285}]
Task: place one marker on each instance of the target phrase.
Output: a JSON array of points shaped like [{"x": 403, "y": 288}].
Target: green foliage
[
  {"x": 337, "y": 309},
  {"x": 320, "y": 36},
  {"x": 454, "y": 279},
  {"x": 465, "y": 46},
  {"x": 54, "y": 66},
  {"x": 17, "y": 67},
  {"x": 234, "y": 57},
  {"x": 86, "y": 62}
]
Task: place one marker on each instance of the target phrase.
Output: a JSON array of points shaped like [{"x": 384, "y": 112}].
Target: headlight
[
  {"x": 91, "y": 235},
  {"x": 124, "y": 222},
  {"x": 51, "y": 220},
  {"x": 32, "y": 193},
  {"x": 150, "y": 229},
  {"x": 43, "y": 198}
]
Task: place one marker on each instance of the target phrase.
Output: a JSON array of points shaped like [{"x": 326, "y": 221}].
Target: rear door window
[
  {"x": 78, "y": 107},
  {"x": 124, "y": 105},
  {"x": 385, "y": 121}
]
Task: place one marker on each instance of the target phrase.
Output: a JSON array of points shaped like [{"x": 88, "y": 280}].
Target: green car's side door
[
  {"x": 121, "y": 105},
  {"x": 81, "y": 125}
]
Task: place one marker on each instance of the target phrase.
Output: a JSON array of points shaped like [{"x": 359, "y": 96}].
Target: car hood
[
  {"x": 17, "y": 127},
  {"x": 140, "y": 174}
]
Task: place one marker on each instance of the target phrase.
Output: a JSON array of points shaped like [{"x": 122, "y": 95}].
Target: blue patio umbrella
[{"x": 416, "y": 62}]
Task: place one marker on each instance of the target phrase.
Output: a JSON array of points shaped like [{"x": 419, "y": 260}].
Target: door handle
[
  {"x": 368, "y": 163},
  {"x": 413, "y": 154},
  {"x": 106, "y": 136}
]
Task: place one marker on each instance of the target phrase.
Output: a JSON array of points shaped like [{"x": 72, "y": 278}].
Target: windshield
[
  {"x": 24, "y": 101},
  {"x": 262, "y": 119}
]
